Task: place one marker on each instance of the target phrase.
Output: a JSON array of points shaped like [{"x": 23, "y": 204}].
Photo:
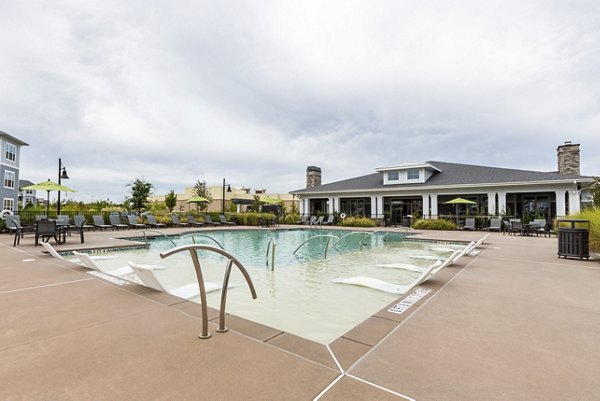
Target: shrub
[
  {"x": 358, "y": 222},
  {"x": 434, "y": 224},
  {"x": 251, "y": 219},
  {"x": 593, "y": 215}
]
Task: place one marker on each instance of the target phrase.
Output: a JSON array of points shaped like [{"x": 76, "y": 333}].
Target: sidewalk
[{"x": 512, "y": 323}]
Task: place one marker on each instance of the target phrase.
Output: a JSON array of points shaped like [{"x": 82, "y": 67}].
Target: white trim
[{"x": 420, "y": 189}]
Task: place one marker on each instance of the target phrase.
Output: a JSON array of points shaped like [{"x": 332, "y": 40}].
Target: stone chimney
[
  {"x": 313, "y": 176},
  {"x": 568, "y": 158}
]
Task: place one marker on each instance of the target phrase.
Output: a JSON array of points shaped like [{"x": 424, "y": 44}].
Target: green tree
[
  {"x": 140, "y": 190},
  {"x": 200, "y": 189},
  {"x": 171, "y": 200}
]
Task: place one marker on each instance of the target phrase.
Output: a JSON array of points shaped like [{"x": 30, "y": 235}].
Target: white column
[
  {"x": 574, "y": 202},
  {"x": 304, "y": 206},
  {"x": 329, "y": 205},
  {"x": 379, "y": 200},
  {"x": 502, "y": 203},
  {"x": 426, "y": 214},
  {"x": 373, "y": 207},
  {"x": 434, "y": 206},
  {"x": 491, "y": 203},
  {"x": 561, "y": 209},
  {"x": 335, "y": 207}
]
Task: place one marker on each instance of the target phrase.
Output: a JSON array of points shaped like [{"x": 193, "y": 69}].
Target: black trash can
[
  {"x": 574, "y": 242},
  {"x": 407, "y": 221}
]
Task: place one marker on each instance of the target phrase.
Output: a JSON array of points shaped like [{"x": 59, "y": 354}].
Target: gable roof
[
  {"x": 452, "y": 174},
  {"x": 12, "y": 139}
]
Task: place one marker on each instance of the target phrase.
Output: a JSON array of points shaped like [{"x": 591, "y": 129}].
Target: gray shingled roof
[{"x": 452, "y": 174}]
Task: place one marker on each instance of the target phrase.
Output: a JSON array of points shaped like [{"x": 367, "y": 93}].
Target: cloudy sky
[{"x": 255, "y": 91}]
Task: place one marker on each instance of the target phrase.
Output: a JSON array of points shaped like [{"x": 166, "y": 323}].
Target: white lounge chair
[
  {"x": 391, "y": 288},
  {"x": 88, "y": 262},
  {"x": 57, "y": 255},
  {"x": 147, "y": 275},
  {"x": 471, "y": 251},
  {"x": 406, "y": 266}
]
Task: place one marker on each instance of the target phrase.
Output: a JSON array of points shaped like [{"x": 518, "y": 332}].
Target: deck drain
[
  {"x": 28, "y": 260},
  {"x": 409, "y": 301}
]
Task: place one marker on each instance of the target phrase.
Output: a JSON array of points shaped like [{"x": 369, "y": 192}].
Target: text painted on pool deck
[{"x": 409, "y": 301}]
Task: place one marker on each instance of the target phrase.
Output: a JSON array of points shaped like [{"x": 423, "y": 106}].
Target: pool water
[{"x": 298, "y": 295}]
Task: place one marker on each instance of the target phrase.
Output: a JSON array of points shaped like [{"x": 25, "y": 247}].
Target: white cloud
[{"x": 256, "y": 91}]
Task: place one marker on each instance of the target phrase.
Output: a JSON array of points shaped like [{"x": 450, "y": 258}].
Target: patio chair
[
  {"x": 115, "y": 222},
  {"x": 469, "y": 224},
  {"x": 495, "y": 225},
  {"x": 99, "y": 222},
  {"x": 134, "y": 223},
  {"x": 80, "y": 221},
  {"x": 13, "y": 223},
  {"x": 90, "y": 263},
  {"x": 192, "y": 221},
  {"x": 302, "y": 220},
  {"x": 46, "y": 229},
  {"x": 177, "y": 222},
  {"x": 152, "y": 222},
  {"x": 208, "y": 220},
  {"x": 318, "y": 221},
  {"x": 225, "y": 222},
  {"x": 391, "y": 288},
  {"x": 79, "y": 227},
  {"x": 148, "y": 277},
  {"x": 328, "y": 221},
  {"x": 515, "y": 227},
  {"x": 312, "y": 220}
]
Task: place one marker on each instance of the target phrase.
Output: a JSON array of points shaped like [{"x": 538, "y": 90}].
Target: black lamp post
[
  {"x": 223, "y": 200},
  {"x": 62, "y": 174}
]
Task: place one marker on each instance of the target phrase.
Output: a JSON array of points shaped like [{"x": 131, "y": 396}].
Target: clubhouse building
[{"x": 421, "y": 190}]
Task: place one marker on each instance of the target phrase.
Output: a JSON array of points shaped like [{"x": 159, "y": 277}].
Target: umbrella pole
[{"x": 48, "y": 205}]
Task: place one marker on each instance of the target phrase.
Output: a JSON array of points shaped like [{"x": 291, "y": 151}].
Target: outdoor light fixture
[
  {"x": 62, "y": 174},
  {"x": 223, "y": 200}
]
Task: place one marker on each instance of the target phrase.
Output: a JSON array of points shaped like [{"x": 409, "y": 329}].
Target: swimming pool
[{"x": 297, "y": 295}]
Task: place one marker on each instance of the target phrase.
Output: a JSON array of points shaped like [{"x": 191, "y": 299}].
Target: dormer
[{"x": 407, "y": 173}]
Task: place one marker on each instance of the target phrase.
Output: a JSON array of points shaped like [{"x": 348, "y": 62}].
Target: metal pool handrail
[
  {"x": 352, "y": 233},
  {"x": 158, "y": 232},
  {"x": 203, "y": 235},
  {"x": 270, "y": 245},
  {"x": 198, "y": 268},
  {"x": 329, "y": 237}
]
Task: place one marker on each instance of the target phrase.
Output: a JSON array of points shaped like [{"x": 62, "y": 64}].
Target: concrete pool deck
[{"x": 513, "y": 322}]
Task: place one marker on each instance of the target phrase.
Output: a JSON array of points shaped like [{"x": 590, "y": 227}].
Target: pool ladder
[{"x": 231, "y": 260}]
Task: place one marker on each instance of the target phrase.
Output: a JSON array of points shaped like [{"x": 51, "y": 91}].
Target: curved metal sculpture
[{"x": 198, "y": 268}]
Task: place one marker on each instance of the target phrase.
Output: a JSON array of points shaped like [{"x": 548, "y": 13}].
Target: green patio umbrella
[
  {"x": 197, "y": 200},
  {"x": 459, "y": 201},
  {"x": 269, "y": 200},
  {"x": 48, "y": 186}
]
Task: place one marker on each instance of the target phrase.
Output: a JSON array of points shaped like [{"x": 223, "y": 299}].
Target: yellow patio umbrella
[{"x": 48, "y": 186}]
